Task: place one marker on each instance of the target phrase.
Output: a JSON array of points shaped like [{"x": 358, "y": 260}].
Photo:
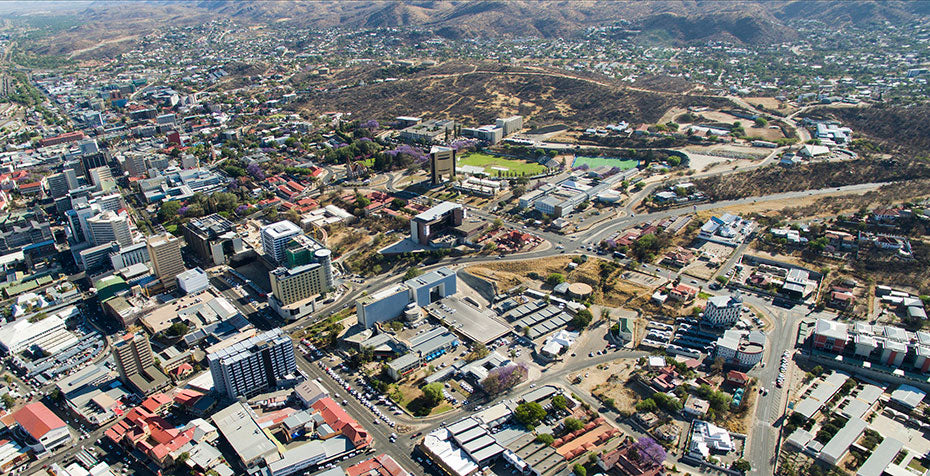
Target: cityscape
[{"x": 462, "y": 238}]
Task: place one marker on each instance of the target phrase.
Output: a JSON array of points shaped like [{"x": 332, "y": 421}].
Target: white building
[
  {"x": 722, "y": 311},
  {"x": 275, "y": 238},
  {"x": 193, "y": 281},
  {"x": 108, "y": 227},
  {"x": 741, "y": 348},
  {"x": 727, "y": 229},
  {"x": 707, "y": 437},
  {"x": 251, "y": 366}
]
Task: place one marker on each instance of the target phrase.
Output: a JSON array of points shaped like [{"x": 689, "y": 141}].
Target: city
[{"x": 460, "y": 238}]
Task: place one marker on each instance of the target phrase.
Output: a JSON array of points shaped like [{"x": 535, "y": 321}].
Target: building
[
  {"x": 126, "y": 256},
  {"x": 722, "y": 311},
  {"x": 108, "y": 227},
  {"x": 238, "y": 425},
  {"x": 429, "y": 132},
  {"x": 165, "y": 253},
  {"x": 102, "y": 178},
  {"x": 275, "y": 238},
  {"x": 193, "y": 281},
  {"x": 41, "y": 429},
  {"x": 429, "y": 224},
  {"x": 49, "y": 334},
  {"x": 441, "y": 164},
  {"x": 293, "y": 291},
  {"x": 24, "y": 232},
  {"x": 706, "y": 438},
  {"x": 509, "y": 125},
  {"x": 135, "y": 363},
  {"x": 741, "y": 348},
  {"x": 252, "y": 366},
  {"x": 389, "y": 303},
  {"x": 728, "y": 229},
  {"x": 213, "y": 239}
]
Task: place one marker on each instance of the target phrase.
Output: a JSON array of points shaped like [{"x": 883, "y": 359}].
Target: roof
[
  {"x": 908, "y": 396},
  {"x": 881, "y": 457},
  {"x": 37, "y": 419},
  {"x": 437, "y": 212},
  {"x": 238, "y": 426},
  {"x": 839, "y": 444}
]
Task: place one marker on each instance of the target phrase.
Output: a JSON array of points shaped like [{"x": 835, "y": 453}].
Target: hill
[
  {"x": 905, "y": 128},
  {"x": 480, "y": 95}
]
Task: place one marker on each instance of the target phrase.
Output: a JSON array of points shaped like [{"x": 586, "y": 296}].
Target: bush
[
  {"x": 579, "y": 470},
  {"x": 545, "y": 438},
  {"x": 555, "y": 279},
  {"x": 582, "y": 319},
  {"x": 559, "y": 402}
]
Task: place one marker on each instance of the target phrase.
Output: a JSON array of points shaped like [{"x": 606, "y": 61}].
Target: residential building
[
  {"x": 41, "y": 429},
  {"x": 132, "y": 354},
  {"x": 722, "y": 311},
  {"x": 254, "y": 365},
  {"x": 441, "y": 164},
  {"x": 275, "y": 238},
  {"x": 165, "y": 253}
]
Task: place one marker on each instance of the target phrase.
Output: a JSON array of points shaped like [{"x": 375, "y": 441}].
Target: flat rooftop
[{"x": 474, "y": 324}]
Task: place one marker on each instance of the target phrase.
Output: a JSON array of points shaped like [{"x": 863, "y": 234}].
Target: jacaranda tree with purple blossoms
[
  {"x": 502, "y": 379},
  {"x": 255, "y": 171},
  {"x": 649, "y": 451}
]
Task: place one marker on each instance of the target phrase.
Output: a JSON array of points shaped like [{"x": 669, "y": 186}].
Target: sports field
[
  {"x": 594, "y": 162},
  {"x": 496, "y": 165}
]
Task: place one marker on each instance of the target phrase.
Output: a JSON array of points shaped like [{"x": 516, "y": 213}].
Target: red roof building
[
  {"x": 381, "y": 465},
  {"x": 340, "y": 421},
  {"x": 151, "y": 435},
  {"x": 48, "y": 431},
  {"x": 736, "y": 378}
]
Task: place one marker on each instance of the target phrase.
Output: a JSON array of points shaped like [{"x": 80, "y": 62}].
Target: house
[
  {"x": 340, "y": 421},
  {"x": 696, "y": 407},
  {"x": 683, "y": 293},
  {"x": 841, "y": 299},
  {"x": 41, "y": 429},
  {"x": 737, "y": 378},
  {"x": 678, "y": 258}
]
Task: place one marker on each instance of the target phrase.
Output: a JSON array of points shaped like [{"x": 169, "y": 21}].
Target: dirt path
[{"x": 101, "y": 44}]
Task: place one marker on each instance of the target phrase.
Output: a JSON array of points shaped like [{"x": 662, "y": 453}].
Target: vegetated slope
[
  {"x": 753, "y": 26},
  {"x": 903, "y": 127},
  {"x": 776, "y": 179},
  {"x": 838, "y": 13},
  {"x": 479, "y": 98}
]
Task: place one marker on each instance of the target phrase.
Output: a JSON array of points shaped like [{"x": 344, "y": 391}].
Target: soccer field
[
  {"x": 495, "y": 165},
  {"x": 594, "y": 162}
]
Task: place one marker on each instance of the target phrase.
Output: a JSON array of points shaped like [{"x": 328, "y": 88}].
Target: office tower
[
  {"x": 71, "y": 177},
  {"x": 165, "y": 253},
  {"x": 92, "y": 161},
  {"x": 134, "y": 164},
  {"x": 275, "y": 238},
  {"x": 213, "y": 238},
  {"x": 77, "y": 222},
  {"x": 441, "y": 163},
  {"x": 109, "y": 226},
  {"x": 135, "y": 363},
  {"x": 57, "y": 185},
  {"x": 89, "y": 146},
  {"x": 252, "y": 366}
]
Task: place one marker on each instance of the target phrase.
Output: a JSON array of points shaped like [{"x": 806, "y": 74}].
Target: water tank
[{"x": 411, "y": 312}]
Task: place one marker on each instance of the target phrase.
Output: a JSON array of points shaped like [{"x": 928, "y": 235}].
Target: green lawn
[
  {"x": 593, "y": 162},
  {"x": 493, "y": 164}
]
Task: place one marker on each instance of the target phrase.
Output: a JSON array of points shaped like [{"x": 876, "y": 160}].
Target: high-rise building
[
  {"x": 135, "y": 363},
  {"x": 441, "y": 218},
  {"x": 441, "y": 163},
  {"x": 109, "y": 226},
  {"x": 275, "y": 238},
  {"x": 165, "y": 253},
  {"x": 124, "y": 256},
  {"x": 71, "y": 177},
  {"x": 307, "y": 272},
  {"x": 252, "y": 366},
  {"x": 134, "y": 164},
  {"x": 57, "y": 185},
  {"x": 722, "y": 311}
]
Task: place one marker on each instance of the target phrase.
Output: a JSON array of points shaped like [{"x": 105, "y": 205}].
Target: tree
[
  {"x": 479, "y": 351},
  {"x": 573, "y": 424},
  {"x": 432, "y": 394},
  {"x": 579, "y": 470},
  {"x": 650, "y": 451},
  {"x": 582, "y": 318},
  {"x": 741, "y": 465},
  {"x": 168, "y": 211},
  {"x": 545, "y": 438},
  {"x": 529, "y": 413},
  {"x": 559, "y": 402},
  {"x": 555, "y": 279},
  {"x": 8, "y": 401},
  {"x": 177, "y": 329},
  {"x": 412, "y": 273},
  {"x": 502, "y": 379},
  {"x": 646, "y": 406}
]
